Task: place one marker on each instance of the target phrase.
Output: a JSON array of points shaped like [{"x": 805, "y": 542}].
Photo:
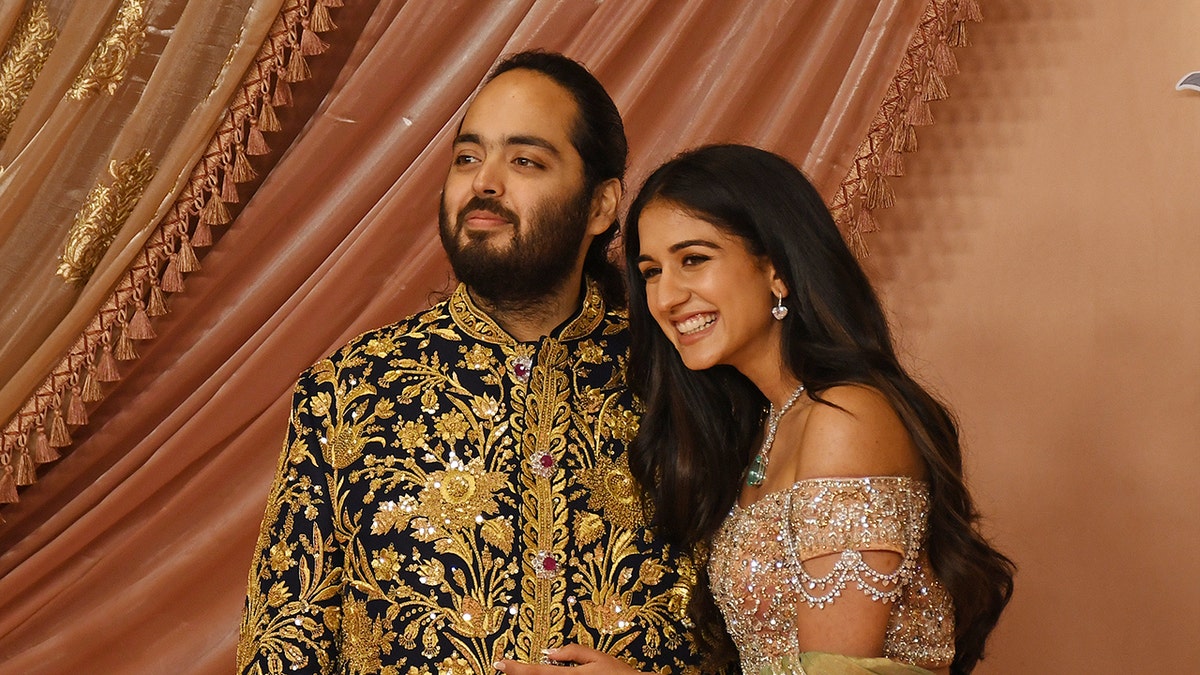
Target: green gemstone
[{"x": 757, "y": 472}]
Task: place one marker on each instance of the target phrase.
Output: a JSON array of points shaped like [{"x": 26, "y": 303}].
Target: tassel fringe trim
[
  {"x": 919, "y": 80},
  {"x": 43, "y": 424}
]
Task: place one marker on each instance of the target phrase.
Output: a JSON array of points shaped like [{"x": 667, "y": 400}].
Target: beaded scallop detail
[{"x": 759, "y": 579}]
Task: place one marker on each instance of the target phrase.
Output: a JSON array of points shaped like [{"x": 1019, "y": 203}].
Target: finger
[
  {"x": 575, "y": 653},
  {"x": 509, "y": 667}
]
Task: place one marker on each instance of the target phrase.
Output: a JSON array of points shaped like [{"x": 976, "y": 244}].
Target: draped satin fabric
[{"x": 130, "y": 553}]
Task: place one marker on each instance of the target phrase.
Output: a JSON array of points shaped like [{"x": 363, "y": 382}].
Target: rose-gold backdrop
[{"x": 1041, "y": 267}]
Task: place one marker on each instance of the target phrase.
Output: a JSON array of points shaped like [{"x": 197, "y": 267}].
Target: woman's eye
[
  {"x": 649, "y": 272},
  {"x": 694, "y": 259}
]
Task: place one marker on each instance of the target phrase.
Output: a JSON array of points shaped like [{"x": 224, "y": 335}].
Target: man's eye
[
  {"x": 465, "y": 159},
  {"x": 525, "y": 161}
]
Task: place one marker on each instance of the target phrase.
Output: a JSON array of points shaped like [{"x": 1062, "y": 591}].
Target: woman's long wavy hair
[{"x": 700, "y": 427}]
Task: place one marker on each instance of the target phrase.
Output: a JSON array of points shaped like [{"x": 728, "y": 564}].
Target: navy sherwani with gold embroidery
[{"x": 448, "y": 496}]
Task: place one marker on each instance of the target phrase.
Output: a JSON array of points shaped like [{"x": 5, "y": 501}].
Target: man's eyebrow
[{"x": 536, "y": 141}]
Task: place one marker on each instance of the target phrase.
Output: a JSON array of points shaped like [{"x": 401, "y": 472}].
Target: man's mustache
[{"x": 489, "y": 204}]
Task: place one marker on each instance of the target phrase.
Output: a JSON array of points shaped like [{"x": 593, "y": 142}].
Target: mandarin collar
[{"x": 477, "y": 324}]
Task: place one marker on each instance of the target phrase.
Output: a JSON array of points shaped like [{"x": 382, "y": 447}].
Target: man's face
[{"x": 514, "y": 216}]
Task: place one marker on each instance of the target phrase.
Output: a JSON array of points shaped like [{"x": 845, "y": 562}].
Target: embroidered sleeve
[
  {"x": 292, "y": 610},
  {"x": 846, "y": 516}
]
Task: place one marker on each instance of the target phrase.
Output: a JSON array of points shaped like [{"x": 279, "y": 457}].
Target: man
[{"x": 454, "y": 489}]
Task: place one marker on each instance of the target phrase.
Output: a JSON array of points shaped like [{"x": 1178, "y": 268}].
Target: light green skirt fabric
[{"x": 817, "y": 663}]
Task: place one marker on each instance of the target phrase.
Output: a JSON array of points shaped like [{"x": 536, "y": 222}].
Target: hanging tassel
[
  {"x": 172, "y": 279},
  {"x": 934, "y": 88},
  {"x": 267, "y": 120},
  {"x": 320, "y": 21},
  {"x": 202, "y": 235},
  {"x": 188, "y": 262},
  {"x": 858, "y": 245},
  {"x": 214, "y": 212},
  {"x": 139, "y": 326},
  {"x": 865, "y": 221},
  {"x": 125, "y": 350},
  {"x": 944, "y": 60},
  {"x": 892, "y": 163},
  {"x": 76, "y": 410},
  {"x": 969, "y": 10},
  {"x": 90, "y": 391},
  {"x": 8, "y": 486},
  {"x": 311, "y": 44},
  {"x": 331, "y": 3},
  {"x": 905, "y": 139},
  {"x": 256, "y": 144},
  {"x": 157, "y": 305},
  {"x": 43, "y": 452},
  {"x": 918, "y": 114},
  {"x": 297, "y": 70},
  {"x": 879, "y": 193},
  {"x": 283, "y": 93},
  {"x": 59, "y": 436},
  {"x": 25, "y": 471},
  {"x": 958, "y": 35},
  {"x": 106, "y": 367},
  {"x": 243, "y": 171},
  {"x": 229, "y": 193}
]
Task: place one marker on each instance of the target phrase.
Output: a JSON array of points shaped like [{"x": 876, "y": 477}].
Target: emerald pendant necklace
[{"x": 757, "y": 470}]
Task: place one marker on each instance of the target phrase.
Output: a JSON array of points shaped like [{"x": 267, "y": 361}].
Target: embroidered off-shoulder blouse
[{"x": 759, "y": 579}]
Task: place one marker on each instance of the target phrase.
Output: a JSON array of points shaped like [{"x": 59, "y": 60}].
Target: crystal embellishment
[
  {"x": 522, "y": 366},
  {"x": 757, "y": 471}
]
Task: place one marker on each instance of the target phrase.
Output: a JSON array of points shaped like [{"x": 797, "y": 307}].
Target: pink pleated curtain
[{"x": 270, "y": 171}]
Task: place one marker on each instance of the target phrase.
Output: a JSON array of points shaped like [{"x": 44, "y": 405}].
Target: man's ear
[{"x": 605, "y": 200}]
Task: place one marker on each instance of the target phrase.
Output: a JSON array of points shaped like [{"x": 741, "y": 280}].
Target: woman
[{"x": 782, "y": 435}]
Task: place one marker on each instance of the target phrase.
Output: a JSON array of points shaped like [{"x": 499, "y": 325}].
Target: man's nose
[{"x": 488, "y": 180}]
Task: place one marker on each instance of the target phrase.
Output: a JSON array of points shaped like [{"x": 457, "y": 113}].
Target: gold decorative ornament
[
  {"x": 104, "y": 211},
  {"x": 22, "y": 62},
  {"x": 109, "y": 63}
]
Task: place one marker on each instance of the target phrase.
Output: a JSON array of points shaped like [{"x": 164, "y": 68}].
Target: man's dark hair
[{"x": 598, "y": 135}]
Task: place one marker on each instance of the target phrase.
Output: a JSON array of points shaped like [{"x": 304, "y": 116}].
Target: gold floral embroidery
[
  {"x": 614, "y": 493},
  {"x": 488, "y": 516},
  {"x": 110, "y": 60},
  {"x": 104, "y": 211},
  {"x": 22, "y": 62}
]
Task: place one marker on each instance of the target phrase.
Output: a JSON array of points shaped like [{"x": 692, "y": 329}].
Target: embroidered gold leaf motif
[
  {"x": 22, "y": 62},
  {"x": 588, "y": 527},
  {"x": 109, "y": 63},
  {"x": 104, "y": 211},
  {"x": 474, "y": 620},
  {"x": 499, "y": 533}
]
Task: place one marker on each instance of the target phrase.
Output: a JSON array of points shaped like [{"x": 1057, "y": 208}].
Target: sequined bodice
[{"x": 759, "y": 580}]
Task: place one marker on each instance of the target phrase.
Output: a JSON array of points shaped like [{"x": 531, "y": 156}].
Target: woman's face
[{"x": 710, "y": 295}]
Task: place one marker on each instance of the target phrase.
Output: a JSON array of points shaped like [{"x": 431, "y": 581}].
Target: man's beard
[{"x": 540, "y": 256}]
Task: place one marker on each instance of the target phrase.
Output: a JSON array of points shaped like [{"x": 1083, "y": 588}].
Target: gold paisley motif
[
  {"x": 22, "y": 62},
  {"x": 109, "y": 63},
  {"x": 104, "y": 211}
]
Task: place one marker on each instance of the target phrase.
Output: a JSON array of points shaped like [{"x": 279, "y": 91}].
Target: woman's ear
[{"x": 778, "y": 288}]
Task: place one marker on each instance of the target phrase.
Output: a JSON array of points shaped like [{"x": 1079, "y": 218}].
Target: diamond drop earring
[{"x": 779, "y": 311}]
